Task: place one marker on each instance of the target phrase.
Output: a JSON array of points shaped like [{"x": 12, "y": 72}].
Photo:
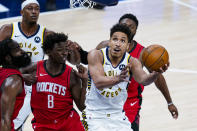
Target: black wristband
[{"x": 84, "y": 56}]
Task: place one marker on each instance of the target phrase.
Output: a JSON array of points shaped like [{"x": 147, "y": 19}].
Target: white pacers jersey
[
  {"x": 108, "y": 100},
  {"x": 31, "y": 44}
]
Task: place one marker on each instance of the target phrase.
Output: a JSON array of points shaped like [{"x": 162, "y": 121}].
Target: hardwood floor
[{"x": 171, "y": 23}]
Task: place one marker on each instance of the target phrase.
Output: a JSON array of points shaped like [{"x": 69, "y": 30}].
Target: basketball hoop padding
[{"x": 106, "y": 2}]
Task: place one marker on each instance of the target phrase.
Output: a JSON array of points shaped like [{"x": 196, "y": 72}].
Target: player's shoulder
[
  {"x": 6, "y": 27},
  {"x": 95, "y": 56},
  {"x": 5, "y": 31}
]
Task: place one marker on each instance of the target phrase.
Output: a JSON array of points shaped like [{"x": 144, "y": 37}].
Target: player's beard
[{"x": 21, "y": 61}]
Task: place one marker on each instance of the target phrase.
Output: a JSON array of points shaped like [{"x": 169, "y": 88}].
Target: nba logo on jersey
[
  {"x": 37, "y": 39},
  {"x": 122, "y": 66}
]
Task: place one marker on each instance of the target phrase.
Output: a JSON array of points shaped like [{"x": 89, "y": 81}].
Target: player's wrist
[{"x": 170, "y": 103}]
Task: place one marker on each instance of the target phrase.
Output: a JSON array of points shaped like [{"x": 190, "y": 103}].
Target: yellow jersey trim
[
  {"x": 43, "y": 35},
  {"x": 103, "y": 57},
  {"x": 12, "y": 30}
]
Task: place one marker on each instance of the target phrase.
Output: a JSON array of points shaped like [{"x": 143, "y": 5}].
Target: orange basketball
[{"x": 154, "y": 57}]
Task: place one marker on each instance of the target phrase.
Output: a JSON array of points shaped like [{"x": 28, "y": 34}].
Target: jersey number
[{"x": 50, "y": 101}]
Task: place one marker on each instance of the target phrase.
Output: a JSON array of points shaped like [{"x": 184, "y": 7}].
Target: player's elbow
[
  {"x": 82, "y": 107},
  {"x": 98, "y": 85}
]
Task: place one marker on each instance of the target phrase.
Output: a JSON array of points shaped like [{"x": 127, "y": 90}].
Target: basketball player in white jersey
[
  {"x": 107, "y": 85},
  {"x": 30, "y": 36}
]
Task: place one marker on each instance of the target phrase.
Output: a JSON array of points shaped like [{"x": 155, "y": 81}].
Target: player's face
[
  {"x": 131, "y": 24},
  {"x": 118, "y": 44},
  {"x": 59, "y": 53},
  {"x": 31, "y": 13},
  {"x": 19, "y": 57}
]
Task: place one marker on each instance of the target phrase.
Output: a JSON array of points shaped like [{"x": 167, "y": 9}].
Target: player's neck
[
  {"x": 115, "y": 60},
  {"x": 53, "y": 67},
  {"x": 131, "y": 45},
  {"x": 28, "y": 29}
]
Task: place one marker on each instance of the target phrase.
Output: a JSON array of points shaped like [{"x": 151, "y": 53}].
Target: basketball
[{"x": 154, "y": 57}]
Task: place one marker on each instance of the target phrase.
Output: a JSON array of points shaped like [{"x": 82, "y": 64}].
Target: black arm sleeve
[{"x": 84, "y": 56}]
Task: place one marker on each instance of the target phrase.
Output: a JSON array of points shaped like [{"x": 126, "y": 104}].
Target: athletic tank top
[
  {"x": 135, "y": 89},
  {"x": 108, "y": 100},
  {"x": 31, "y": 44},
  {"x": 51, "y": 98},
  {"x": 5, "y": 73}
]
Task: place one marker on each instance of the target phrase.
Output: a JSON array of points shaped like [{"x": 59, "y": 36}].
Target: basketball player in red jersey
[
  {"x": 133, "y": 104},
  {"x": 56, "y": 87},
  {"x": 12, "y": 91},
  {"x": 30, "y": 35}
]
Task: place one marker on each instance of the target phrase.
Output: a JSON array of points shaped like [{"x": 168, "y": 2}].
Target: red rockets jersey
[
  {"x": 5, "y": 73},
  {"x": 135, "y": 89},
  {"x": 51, "y": 98}
]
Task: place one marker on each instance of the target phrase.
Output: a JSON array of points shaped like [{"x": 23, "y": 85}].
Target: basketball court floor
[{"x": 171, "y": 23}]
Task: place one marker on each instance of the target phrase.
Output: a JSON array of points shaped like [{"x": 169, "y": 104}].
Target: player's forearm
[
  {"x": 6, "y": 111},
  {"x": 162, "y": 86},
  {"x": 5, "y": 124},
  {"x": 83, "y": 56},
  {"x": 148, "y": 79},
  {"x": 105, "y": 82},
  {"x": 83, "y": 94}
]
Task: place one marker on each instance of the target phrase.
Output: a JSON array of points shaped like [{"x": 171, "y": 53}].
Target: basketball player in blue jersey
[
  {"x": 30, "y": 35},
  {"x": 109, "y": 70}
]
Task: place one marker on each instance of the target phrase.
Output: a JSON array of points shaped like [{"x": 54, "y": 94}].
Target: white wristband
[{"x": 170, "y": 103}]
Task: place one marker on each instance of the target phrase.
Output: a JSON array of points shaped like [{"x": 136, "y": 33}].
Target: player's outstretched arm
[
  {"x": 5, "y": 31},
  {"x": 11, "y": 87},
  {"x": 139, "y": 74},
  {"x": 102, "y": 44},
  {"x": 95, "y": 67},
  {"x": 78, "y": 89},
  {"x": 162, "y": 86}
]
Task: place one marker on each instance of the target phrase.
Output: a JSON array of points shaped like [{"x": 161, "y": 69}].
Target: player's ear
[
  {"x": 21, "y": 12},
  {"x": 128, "y": 46}
]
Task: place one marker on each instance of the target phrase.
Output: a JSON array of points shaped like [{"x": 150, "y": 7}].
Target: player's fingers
[{"x": 174, "y": 114}]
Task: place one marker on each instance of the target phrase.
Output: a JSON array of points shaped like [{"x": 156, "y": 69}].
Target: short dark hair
[
  {"x": 129, "y": 16},
  {"x": 4, "y": 49},
  {"x": 122, "y": 28},
  {"x": 53, "y": 39}
]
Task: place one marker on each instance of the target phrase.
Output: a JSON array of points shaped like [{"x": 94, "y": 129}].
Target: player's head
[
  {"x": 11, "y": 55},
  {"x": 131, "y": 21},
  {"x": 120, "y": 36},
  {"x": 55, "y": 46},
  {"x": 30, "y": 10}
]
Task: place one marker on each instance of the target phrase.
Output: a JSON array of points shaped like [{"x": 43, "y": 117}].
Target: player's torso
[
  {"x": 111, "y": 99},
  {"x": 135, "y": 89},
  {"x": 51, "y": 97},
  {"x": 31, "y": 44}
]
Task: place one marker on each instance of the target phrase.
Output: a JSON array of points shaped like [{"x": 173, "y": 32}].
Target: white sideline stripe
[
  {"x": 3, "y": 8},
  {"x": 129, "y": 1},
  {"x": 185, "y": 4},
  {"x": 182, "y": 71}
]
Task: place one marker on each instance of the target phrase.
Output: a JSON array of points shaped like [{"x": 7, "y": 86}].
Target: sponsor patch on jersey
[
  {"x": 37, "y": 39},
  {"x": 122, "y": 66}
]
